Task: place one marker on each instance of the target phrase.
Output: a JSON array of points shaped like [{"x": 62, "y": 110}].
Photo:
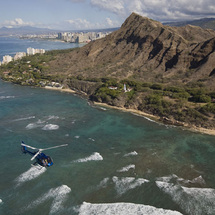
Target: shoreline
[
  {"x": 157, "y": 119},
  {"x": 67, "y": 90},
  {"x": 138, "y": 112}
]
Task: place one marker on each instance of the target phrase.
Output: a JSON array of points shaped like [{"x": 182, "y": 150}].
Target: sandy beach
[
  {"x": 141, "y": 113},
  {"x": 68, "y": 90}
]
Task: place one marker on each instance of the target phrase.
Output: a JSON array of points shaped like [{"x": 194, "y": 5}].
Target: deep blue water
[
  {"x": 12, "y": 45},
  {"x": 111, "y": 157}
]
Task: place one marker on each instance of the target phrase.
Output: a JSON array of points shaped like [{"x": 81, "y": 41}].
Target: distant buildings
[
  {"x": 32, "y": 51},
  {"x": 70, "y": 37},
  {"x": 81, "y": 37},
  {"x": 19, "y": 55}
]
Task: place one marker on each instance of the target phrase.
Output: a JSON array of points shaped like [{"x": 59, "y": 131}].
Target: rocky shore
[{"x": 140, "y": 113}]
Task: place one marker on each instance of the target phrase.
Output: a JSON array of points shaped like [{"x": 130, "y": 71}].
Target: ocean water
[
  {"x": 12, "y": 45},
  {"x": 115, "y": 162}
]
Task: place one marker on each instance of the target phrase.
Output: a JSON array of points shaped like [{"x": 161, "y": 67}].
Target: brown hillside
[{"x": 146, "y": 50}]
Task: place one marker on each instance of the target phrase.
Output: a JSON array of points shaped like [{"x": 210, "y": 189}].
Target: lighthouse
[{"x": 125, "y": 90}]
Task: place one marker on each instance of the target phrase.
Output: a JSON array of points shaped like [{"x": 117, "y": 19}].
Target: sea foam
[
  {"x": 7, "y": 97},
  {"x": 134, "y": 153},
  {"x": 94, "y": 157},
  {"x": 50, "y": 127},
  {"x": 103, "y": 183},
  {"x": 43, "y": 123},
  {"x": 31, "y": 174},
  {"x": 58, "y": 195},
  {"x": 52, "y": 117},
  {"x": 122, "y": 209},
  {"x": 126, "y": 168},
  {"x": 196, "y": 201},
  {"x": 122, "y": 185},
  {"x": 37, "y": 124}
]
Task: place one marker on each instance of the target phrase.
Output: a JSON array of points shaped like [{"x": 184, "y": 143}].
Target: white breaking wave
[
  {"x": 123, "y": 209},
  {"x": 94, "y": 157},
  {"x": 126, "y": 168},
  {"x": 50, "y": 127},
  {"x": 43, "y": 123},
  {"x": 7, "y": 97},
  {"x": 124, "y": 184},
  {"x": 58, "y": 194},
  {"x": 32, "y": 126},
  {"x": 77, "y": 137},
  {"x": 1, "y": 201},
  {"x": 134, "y": 153},
  {"x": 103, "y": 183},
  {"x": 52, "y": 117},
  {"x": 196, "y": 201},
  {"x": 102, "y": 108},
  {"x": 198, "y": 180},
  {"x": 24, "y": 118},
  {"x": 31, "y": 174},
  {"x": 37, "y": 124},
  {"x": 150, "y": 119}
]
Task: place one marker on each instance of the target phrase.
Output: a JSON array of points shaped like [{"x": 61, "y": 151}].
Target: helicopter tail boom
[{"x": 25, "y": 151}]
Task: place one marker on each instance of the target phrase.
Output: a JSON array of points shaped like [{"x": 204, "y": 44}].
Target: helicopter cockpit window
[{"x": 49, "y": 159}]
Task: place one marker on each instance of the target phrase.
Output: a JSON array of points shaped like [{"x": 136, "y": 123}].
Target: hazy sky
[{"x": 92, "y": 14}]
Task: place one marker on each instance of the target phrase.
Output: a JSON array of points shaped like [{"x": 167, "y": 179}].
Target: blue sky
[{"x": 95, "y": 14}]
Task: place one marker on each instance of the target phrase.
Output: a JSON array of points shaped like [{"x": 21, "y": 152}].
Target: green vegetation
[
  {"x": 32, "y": 70},
  {"x": 192, "y": 104}
]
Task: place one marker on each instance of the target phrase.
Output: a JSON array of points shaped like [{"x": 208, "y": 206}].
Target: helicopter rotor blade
[
  {"x": 31, "y": 147},
  {"x": 35, "y": 155},
  {"x": 54, "y": 147}
]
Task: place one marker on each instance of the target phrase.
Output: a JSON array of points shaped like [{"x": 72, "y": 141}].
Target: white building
[
  {"x": 30, "y": 51},
  {"x": 39, "y": 51},
  {"x": 19, "y": 55},
  {"x": 7, "y": 59}
]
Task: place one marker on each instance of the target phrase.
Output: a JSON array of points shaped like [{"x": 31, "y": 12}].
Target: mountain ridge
[
  {"x": 206, "y": 23},
  {"x": 168, "y": 71},
  {"x": 146, "y": 49},
  {"x": 4, "y": 31}
]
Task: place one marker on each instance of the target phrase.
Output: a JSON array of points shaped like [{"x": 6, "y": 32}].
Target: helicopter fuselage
[{"x": 42, "y": 159}]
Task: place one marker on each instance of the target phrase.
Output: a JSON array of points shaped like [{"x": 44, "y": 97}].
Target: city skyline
[{"x": 97, "y": 14}]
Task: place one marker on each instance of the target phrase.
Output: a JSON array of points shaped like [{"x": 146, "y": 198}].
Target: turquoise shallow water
[
  {"x": 109, "y": 155},
  {"x": 112, "y": 157}
]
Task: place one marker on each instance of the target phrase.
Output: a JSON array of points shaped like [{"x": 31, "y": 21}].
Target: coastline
[
  {"x": 157, "y": 119},
  {"x": 138, "y": 112},
  {"x": 68, "y": 90},
  {"x": 141, "y": 113}
]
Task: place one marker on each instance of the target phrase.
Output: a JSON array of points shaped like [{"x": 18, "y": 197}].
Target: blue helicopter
[{"x": 41, "y": 159}]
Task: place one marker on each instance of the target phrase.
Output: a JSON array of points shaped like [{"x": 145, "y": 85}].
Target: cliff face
[{"x": 146, "y": 50}]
